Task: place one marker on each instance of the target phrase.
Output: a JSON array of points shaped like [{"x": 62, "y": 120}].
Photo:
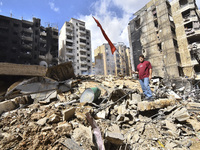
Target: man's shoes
[{"x": 149, "y": 98}]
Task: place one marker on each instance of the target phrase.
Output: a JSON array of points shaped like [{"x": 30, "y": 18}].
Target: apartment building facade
[
  {"x": 168, "y": 35},
  {"x": 108, "y": 64},
  {"x": 75, "y": 46},
  {"x": 26, "y": 42},
  {"x": 152, "y": 33},
  {"x": 187, "y": 20}
]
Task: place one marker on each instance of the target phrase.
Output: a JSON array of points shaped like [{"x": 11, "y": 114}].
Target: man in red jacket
[{"x": 144, "y": 70}]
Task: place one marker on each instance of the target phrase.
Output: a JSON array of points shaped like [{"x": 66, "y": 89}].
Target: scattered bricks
[
  {"x": 8, "y": 105},
  {"x": 195, "y": 124},
  {"x": 113, "y": 135},
  {"x": 46, "y": 129},
  {"x": 122, "y": 109},
  {"x": 61, "y": 97},
  {"x": 83, "y": 135},
  {"x": 37, "y": 116},
  {"x": 54, "y": 118},
  {"x": 157, "y": 104},
  {"x": 136, "y": 97},
  {"x": 101, "y": 115},
  {"x": 181, "y": 114},
  {"x": 42, "y": 121},
  {"x": 67, "y": 114}
]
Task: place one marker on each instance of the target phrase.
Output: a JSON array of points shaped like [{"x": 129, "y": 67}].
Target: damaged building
[
  {"x": 187, "y": 20},
  {"x": 107, "y": 63},
  {"x": 159, "y": 32},
  {"x": 26, "y": 42},
  {"x": 75, "y": 46}
]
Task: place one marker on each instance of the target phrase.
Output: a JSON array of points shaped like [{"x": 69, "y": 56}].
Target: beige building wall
[
  {"x": 186, "y": 17},
  {"x": 111, "y": 64},
  {"x": 75, "y": 46},
  {"x": 155, "y": 29}
]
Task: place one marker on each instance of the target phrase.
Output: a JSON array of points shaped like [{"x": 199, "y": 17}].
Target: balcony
[
  {"x": 83, "y": 62},
  {"x": 70, "y": 54},
  {"x": 27, "y": 38},
  {"x": 82, "y": 31},
  {"x": 69, "y": 40},
  {"x": 43, "y": 34},
  {"x": 69, "y": 28},
  {"x": 27, "y": 46},
  {"x": 42, "y": 40},
  {"x": 194, "y": 62},
  {"x": 187, "y": 6},
  {"x": 70, "y": 34},
  {"x": 192, "y": 33},
  {"x": 69, "y": 47},
  {"x": 83, "y": 37},
  {"x": 83, "y": 56},
  {"x": 81, "y": 25},
  {"x": 29, "y": 30},
  {"x": 190, "y": 19},
  {"x": 83, "y": 50},
  {"x": 83, "y": 68}
]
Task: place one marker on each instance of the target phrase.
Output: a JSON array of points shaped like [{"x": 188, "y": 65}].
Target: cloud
[
  {"x": 53, "y": 7},
  {"x": 115, "y": 25},
  {"x": 1, "y": 3}
]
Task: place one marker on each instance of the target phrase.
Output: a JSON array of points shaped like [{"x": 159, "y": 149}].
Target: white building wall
[{"x": 80, "y": 51}]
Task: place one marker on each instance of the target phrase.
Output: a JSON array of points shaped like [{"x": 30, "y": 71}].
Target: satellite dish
[{"x": 44, "y": 63}]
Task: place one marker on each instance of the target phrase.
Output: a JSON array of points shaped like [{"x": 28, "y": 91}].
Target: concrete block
[
  {"x": 161, "y": 103},
  {"x": 114, "y": 135},
  {"x": 8, "y": 106},
  {"x": 67, "y": 114},
  {"x": 181, "y": 114}
]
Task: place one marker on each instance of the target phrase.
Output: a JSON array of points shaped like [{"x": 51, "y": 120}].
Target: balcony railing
[
  {"x": 43, "y": 33},
  {"x": 27, "y": 38},
  {"x": 69, "y": 47},
  {"x": 187, "y": 6}
]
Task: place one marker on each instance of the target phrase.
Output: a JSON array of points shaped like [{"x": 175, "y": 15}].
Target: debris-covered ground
[{"x": 55, "y": 116}]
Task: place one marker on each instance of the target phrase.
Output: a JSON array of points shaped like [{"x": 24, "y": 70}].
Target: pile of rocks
[{"x": 118, "y": 119}]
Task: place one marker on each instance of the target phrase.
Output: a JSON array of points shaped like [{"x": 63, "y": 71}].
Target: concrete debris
[
  {"x": 157, "y": 104},
  {"x": 181, "y": 114},
  {"x": 114, "y": 135},
  {"x": 45, "y": 113}
]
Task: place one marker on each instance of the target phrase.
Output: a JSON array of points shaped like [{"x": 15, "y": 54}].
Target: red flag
[{"x": 112, "y": 47}]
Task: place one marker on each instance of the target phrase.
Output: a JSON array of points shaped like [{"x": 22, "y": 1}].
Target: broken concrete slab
[
  {"x": 113, "y": 135},
  {"x": 101, "y": 115},
  {"x": 42, "y": 121},
  {"x": 8, "y": 105},
  {"x": 69, "y": 113},
  {"x": 157, "y": 104},
  {"x": 181, "y": 114},
  {"x": 54, "y": 118},
  {"x": 71, "y": 144},
  {"x": 195, "y": 124},
  {"x": 83, "y": 135},
  {"x": 22, "y": 70},
  {"x": 61, "y": 72}
]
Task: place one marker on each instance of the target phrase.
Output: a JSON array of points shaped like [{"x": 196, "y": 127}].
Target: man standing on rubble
[{"x": 144, "y": 70}]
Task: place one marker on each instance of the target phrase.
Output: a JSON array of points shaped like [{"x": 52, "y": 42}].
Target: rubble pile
[{"x": 65, "y": 115}]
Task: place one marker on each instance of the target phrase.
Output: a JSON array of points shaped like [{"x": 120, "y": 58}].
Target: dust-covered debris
[{"x": 119, "y": 117}]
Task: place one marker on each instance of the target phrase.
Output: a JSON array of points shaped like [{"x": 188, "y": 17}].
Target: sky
[{"x": 114, "y": 15}]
